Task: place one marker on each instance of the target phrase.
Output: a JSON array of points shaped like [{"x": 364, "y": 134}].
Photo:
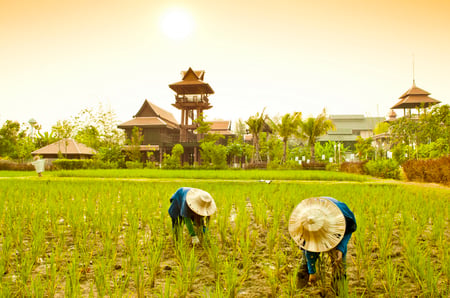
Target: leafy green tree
[
  {"x": 381, "y": 127},
  {"x": 203, "y": 127},
  {"x": 235, "y": 150},
  {"x": 44, "y": 139},
  {"x": 418, "y": 134},
  {"x": 100, "y": 123},
  {"x": 255, "y": 125},
  {"x": 312, "y": 128},
  {"x": 134, "y": 145},
  {"x": 90, "y": 136},
  {"x": 240, "y": 129},
  {"x": 177, "y": 152},
  {"x": 112, "y": 155},
  {"x": 325, "y": 149},
  {"x": 364, "y": 148},
  {"x": 287, "y": 127},
  {"x": 23, "y": 149},
  {"x": 63, "y": 129},
  {"x": 10, "y": 134}
]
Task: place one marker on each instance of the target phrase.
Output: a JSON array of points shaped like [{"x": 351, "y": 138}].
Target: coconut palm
[
  {"x": 255, "y": 125},
  {"x": 286, "y": 127},
  {"x": 313, "y": 128}
]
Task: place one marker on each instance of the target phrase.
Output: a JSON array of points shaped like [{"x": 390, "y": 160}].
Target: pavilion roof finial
[{"x": 414, "y": 74}]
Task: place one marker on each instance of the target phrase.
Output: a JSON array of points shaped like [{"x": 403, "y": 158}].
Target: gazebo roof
[
  {"x": 192, "y": 83},
  {"x": 415, "y": 97},
  {"x": 65, "y": 146}
]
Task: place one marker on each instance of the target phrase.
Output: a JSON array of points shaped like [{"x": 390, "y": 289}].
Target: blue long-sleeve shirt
[
  {"x": 179, "y": 210},
  {"x": 350, "y": 227}
]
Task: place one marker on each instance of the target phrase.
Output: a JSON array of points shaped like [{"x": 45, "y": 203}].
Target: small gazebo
[{"x": 414, "y": 98}]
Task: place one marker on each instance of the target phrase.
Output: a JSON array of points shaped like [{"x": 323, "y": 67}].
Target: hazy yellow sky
[{"x": 58, "y": 57}]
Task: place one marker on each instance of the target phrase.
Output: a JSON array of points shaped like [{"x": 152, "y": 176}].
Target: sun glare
[{"x": 177, "y": 24}]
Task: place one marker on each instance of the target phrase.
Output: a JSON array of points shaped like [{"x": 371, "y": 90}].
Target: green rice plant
[
  {"x": 121, "y": 282},
  {"x": 231, "y": 280},
  {"x": 51, "y": 273},
  {"x": 37, "y": 287},
  {"x": 102, "y": 269},
  {"x": 223, "y": 222},
  {"x": 72, "y": 287},
  {"x": 291, "y": 290},
  {"x": 153, "y": 249},
  {"x": 165, "y": 291},
  {"x": 383, "y": 231},
  {"x": 187, "y": 262},
  {"x": 272, "y": 280},
  {"x": 212, "y": 251},
  {"x": 7, "y": 244},
  {"x": 392, "y": 282},
  {"x": 139, "y": 280},
  {"x": 280, "y": 263}
]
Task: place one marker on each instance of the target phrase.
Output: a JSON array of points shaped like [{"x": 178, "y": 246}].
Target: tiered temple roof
[{"x": 415, "y": 98}]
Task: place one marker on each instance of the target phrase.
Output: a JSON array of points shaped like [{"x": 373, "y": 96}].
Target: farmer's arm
[
  {"x": 342, "y": 246},
  {"x": 189, "y": 226}
]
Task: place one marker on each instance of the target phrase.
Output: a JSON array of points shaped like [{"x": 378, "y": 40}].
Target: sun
[{"x": 177, "y": 24}]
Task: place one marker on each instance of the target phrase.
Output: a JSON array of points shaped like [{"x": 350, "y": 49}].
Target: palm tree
[
  {"x": 255, "y": 125},
  {"x": 286, "y": 127},
  {"x": 312, "y": 128}
]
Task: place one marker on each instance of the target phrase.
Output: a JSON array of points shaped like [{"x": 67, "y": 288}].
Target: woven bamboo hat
[
  {"x": 317, "y": 225},
  {"x": 201, "y": 202}
]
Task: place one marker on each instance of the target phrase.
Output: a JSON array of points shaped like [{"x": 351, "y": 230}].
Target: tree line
[{"x": 279, "y": 141}]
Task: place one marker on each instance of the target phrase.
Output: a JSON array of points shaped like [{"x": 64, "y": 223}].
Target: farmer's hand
[
  {"x": 195, "y": 240},
  {"x": 312, "y": 279},
  {"x": 338, "y": 256}
]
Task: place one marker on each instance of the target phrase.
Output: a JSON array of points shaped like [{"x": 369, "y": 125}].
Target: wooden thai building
[
  {"x": 159, "y": 129},
  {"x": 414, "y": 99}
]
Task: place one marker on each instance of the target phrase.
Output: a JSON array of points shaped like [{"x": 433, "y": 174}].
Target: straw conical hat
[
  {"x": 200, "y": 202},
  {"x": 317, "y": 224}
]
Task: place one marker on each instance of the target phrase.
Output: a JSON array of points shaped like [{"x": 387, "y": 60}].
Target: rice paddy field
[{"x": 108, "y": 234}]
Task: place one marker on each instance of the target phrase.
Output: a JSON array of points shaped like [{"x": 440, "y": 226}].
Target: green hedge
[
  {"x": 384, "y": 168},
  {"x": 78, "y": 164}
]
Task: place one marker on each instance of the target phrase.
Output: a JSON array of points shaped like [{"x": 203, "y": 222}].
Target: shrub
[
  {"x": 428, "y": 170},
  {"x": 314, "y": 165},
  {"x": 356, "y": 167},
  {"x": 7, "y": 165},
  {"x": 385, "y": 168}
]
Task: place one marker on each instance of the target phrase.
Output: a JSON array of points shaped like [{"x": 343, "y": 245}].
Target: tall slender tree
[
  {"x": 255, "y": 125},
  {"x": 286, "y": 127},
  {"x": 312, "y": 128}
]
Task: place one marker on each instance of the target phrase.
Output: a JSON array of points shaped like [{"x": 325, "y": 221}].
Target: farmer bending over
[
  {"x": 318, "y": 225},
  {"x": 193, "y": 207}
]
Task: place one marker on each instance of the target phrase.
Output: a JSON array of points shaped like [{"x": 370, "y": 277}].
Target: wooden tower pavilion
[{"x": 192, "y": 99}]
